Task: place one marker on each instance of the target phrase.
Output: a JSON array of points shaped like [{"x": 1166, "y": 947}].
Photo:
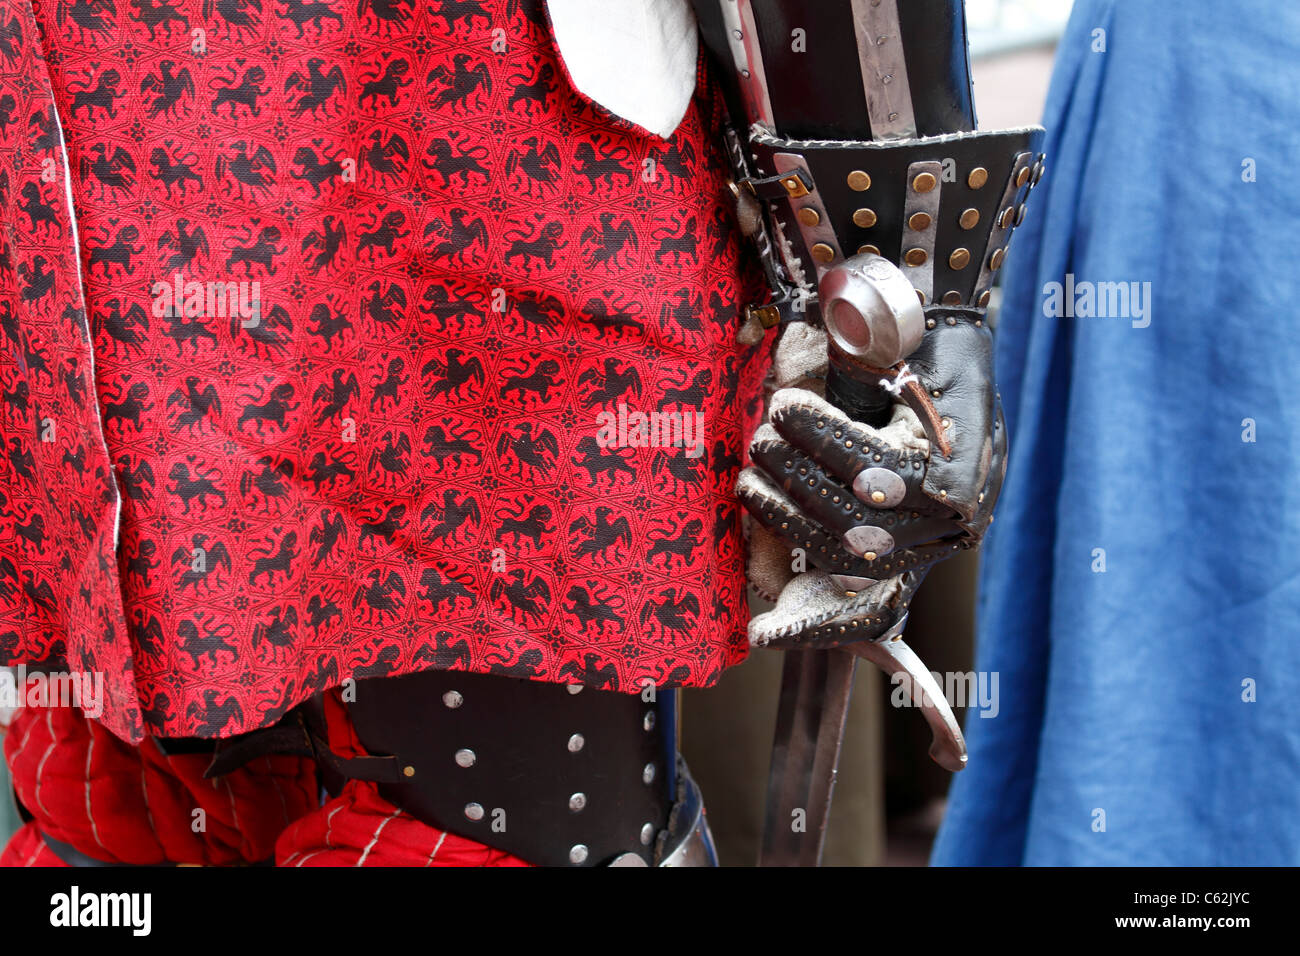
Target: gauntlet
[{"x": 869, "y": 509}]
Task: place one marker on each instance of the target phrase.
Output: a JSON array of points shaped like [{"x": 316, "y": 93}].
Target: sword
[{"x": 865, "y": 314}]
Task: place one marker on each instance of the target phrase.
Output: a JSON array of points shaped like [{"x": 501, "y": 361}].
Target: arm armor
[{"x": 859, "y": 137}]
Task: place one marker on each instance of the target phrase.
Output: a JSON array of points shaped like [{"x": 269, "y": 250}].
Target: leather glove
[{"x": 871, "y": 509}]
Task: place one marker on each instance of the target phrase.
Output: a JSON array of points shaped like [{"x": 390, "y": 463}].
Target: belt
[{"x": 555, "y": 775}]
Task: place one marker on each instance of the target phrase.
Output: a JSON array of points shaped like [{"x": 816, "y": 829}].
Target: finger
[
  {"x": 814, "y": 612},
  {"x": 884, "y": 467},
  {"x": 772, "y": 508},
  {"x": 864, "y": 530}
]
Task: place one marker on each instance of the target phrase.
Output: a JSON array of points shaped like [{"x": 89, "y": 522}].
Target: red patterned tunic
[{"x": 324, "y": 332}]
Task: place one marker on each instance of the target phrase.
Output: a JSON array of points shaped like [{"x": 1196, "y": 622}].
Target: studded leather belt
[{"x": 556, "y": 775}]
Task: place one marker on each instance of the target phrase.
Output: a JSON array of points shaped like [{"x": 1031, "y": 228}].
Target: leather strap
[{"x": 553, "y": 776}]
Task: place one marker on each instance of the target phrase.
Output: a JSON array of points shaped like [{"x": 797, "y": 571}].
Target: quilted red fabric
[
  {"x": 135, "y": 805},
  {"x": 385, "y": 455}
]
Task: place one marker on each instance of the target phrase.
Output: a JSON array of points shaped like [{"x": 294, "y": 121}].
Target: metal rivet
[
  {"x": 951, "y": 298},
  {"x": 1006, "y": 217},
  {"x": 920, "y": 295},
  {"x": 408, "y": 771},
  {"x": 924, "y": 182},
  {"x": 920, "y": 221},
  {"x": 794, "y": 186},
  {"x": 859, "y": 181},
  {"x": 576, "y": 743},
  {"x": 474, "y": 811},
  {"x": 959, "y": 259},
  {"x": 465, "y": 757},
  {"x": 943, "y": 494},
  {"x": 916, "y": 257},
  {"x": 969, "y": 219},
  {"x": 977, "y": 178},
  {"x": 879, "y": 486},
  {"x": 648, "y": 834},
  {"x": 573, "y": 688},
  {"x": 1020, "y": 214},
  {"x": 822, "y": 252},
  {"x": 648, "y": 721},
  {"x": 866, "y": 218},
  {"x": 984, "y": 299},
  {"x": 995, "y": 260},
  {"x": 946, "y": 422},
  {"x": 452, "y": 699},
  {"x": 870, "y": 555},
  {"x": 1038, "y": 173},
  {"x": 578, "y": 853},
  {"x": 577, "y": 802},
  {"x": 809, "y": 216},
  {"x": 868, "y": 248},
  {"x": 951, "y": 320},
  {"x": 1022, "y": 177},
  {"x": 648, "y": 773}
]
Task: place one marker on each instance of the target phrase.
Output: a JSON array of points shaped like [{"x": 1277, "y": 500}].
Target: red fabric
[
  {"x": 461, "y": 263},
  {"x": 123, "y": 804}
]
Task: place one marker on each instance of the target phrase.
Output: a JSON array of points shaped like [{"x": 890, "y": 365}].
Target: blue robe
[{"x": 1140, "y": 593}]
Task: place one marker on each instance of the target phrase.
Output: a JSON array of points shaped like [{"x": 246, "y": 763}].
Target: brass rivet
[
  {"x": 823, "y": 253},
  {"x": 977, "y": 178},
  {"x": 915, "y": 257},
  {"x": 969, "y": 219},
  {"x": 866, "y": 218},
  {"x": 877, "y": 496},
  {"x": 1007, "y": 216},
  {"x": 947, "y": 423},
  {"x": 870, "y": 555},
  {"x": 1022, "y": 177},
  {"x": 920, "y": 221},
  {"x": 809, "y": 216},
  {"x": 959, "y": 259},
  {"x": 863, "y": 250},
  {"x": 924, "y": 182},
  {"x": 943, "y": 494},
  {"x": 859, "y": 181},
  {"x": 984, "y": 299},
  {"x": 1020, "y": 214},
  {"x": 995, "y": 260},
  {"x": 952, "y": 298},
  {"x": 408, "y": 771},
  {"x": 794, "y": 186},
  {"x": 920, "y": 295}
]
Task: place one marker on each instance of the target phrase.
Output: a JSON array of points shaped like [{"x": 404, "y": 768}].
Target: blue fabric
[{"x": 1122, "y": 691}]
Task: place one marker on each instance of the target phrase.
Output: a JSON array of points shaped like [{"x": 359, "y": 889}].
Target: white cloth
[{"x": 636, "y": 58}]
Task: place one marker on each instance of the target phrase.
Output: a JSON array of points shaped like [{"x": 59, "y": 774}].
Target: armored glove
[{"x": 871, "y": 509}]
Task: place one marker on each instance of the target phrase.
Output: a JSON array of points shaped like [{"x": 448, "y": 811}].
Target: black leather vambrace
[{"x": 859, "y": 138}]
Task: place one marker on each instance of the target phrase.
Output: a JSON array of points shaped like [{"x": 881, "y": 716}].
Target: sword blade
[{"x": 816, "y": 687}]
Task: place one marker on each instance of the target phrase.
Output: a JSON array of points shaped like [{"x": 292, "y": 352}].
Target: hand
[{"x": 872, "y": 509}]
